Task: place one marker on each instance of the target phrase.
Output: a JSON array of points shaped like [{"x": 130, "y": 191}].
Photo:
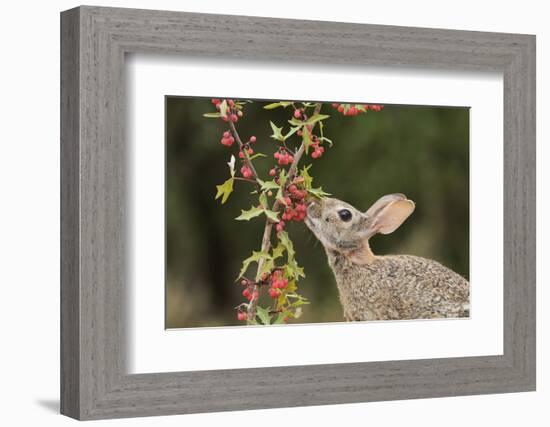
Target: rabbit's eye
[{"x": 344, "y": 215}]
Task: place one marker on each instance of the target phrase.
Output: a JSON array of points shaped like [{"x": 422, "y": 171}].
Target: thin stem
[
  {"x": 238, "y": 178},
  {"x": 241, "y": 148},
  {"x": 266, "y": 239}
]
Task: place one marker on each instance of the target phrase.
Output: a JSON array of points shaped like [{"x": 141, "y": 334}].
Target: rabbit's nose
[{"x": 314, "y": 209}]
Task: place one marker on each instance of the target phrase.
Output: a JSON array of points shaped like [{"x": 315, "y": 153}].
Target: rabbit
[{"x": 389, "y": 287}]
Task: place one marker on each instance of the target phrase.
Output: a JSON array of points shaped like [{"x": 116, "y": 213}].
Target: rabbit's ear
[
  {"x": 391, "y": 216},
  {"x": 383, "y": 201}
]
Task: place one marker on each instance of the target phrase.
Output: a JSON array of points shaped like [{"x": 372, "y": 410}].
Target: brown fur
[{"x": 383, "y": 287}]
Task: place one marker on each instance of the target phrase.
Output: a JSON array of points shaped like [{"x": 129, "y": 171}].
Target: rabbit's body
[
  {"x": 399, "y": 287},
  {"x": 383, "y": 287}
]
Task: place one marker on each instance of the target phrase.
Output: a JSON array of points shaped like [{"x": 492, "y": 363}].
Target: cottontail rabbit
[{"x": 375, "y": 287}]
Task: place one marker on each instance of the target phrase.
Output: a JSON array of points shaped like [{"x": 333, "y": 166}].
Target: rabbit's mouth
[{"x": 314, "y": 210}]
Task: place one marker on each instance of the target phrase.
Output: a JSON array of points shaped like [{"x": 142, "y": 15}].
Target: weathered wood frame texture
[{"x": 94, "y": 41}]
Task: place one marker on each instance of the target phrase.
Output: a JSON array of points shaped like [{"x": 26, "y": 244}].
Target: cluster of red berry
[
  {"x": 248, "y": 291},
  {"x": 234, "y": 110},
  {"x": 246, "y": 172},
  {"x": 227, "y": 139},
  {"x": 318, "y": 149},
  {"x": 296, "y": 208},
  {"x": 278, "y": 282},
  {"x": 283, "y": 157},
  {"x": 355, "y": 109}
]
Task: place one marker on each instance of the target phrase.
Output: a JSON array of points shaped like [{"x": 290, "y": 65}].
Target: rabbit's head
[{"x": 343, "y": 229}]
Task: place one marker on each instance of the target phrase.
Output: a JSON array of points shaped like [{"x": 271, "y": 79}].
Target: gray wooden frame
[{"x": 94, "y": 382}]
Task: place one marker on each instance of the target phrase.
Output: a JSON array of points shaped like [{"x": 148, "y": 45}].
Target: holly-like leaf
[
  {"x": 255, "y": 257},
  {"x": 287, "y": 244},
  {"x": 292, "y": 269},
  {"x": 224, "y": 190},
  {"x": 263, "y": 315},
  {"x": 269, "y": 185},
  {"x": 295, "y": 122},
  {"x": 315, "y": 118},
  {"x": 263, "y": 200},
  {"x": 212, "y": 115},
  {"x": 267, "y": 266},
  {"x": 283, "y": 104},
  {"x": 291, "y": 286},
  {"x": 292, "y": 131},
  {"x": 308, "y": 179},
  {"x": 271, "y": 215},
  {"x": 277, "y": 132},
  {"x": 250, "y": 213},
  {"x": 318, "y": 192},
  {"x": 278, "y": 251}
]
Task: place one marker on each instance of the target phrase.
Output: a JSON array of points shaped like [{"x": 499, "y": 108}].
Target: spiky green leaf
[
  {"x": 269, "y": 185},
  {"x": 247, "y": 215},
  {"x": 224, "y": 190},
  {"x": 283, "y": 104},
  {"x": 318, "y": 192},
  {"x": 271, "y": 215},
  {"x": 308, "y": 179},
  {"x": 255, "y": 257},
  {"x": 315, "y": 118},
  {"x": 277, "y": 132},
  {"x": 263, "y": 315}
]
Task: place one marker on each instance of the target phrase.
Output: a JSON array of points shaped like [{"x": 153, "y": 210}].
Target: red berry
[
  {"x": 234, "y": 118},
  {"x": 352, "y": 111},
  {"x": 292, "y": 188},
  {"x": 277, "y": 155},
  {"x": 335, "y": 105},
  {"x": 340, "y": 108},
  {"x": 225, "y": 118},
  {"x": 252, "y": 139},
  {"x": 230, "y": 102},
  {"x": 274, "y": 293},
  {"x": 272, "y": 172},
  {"x": 250, "y": 151},
  {"x": 241, "y": 315},
  {"x": 247, "y": 294},
  {"x": 246, "y": 172},
  {"x": 215, "y": 101},
  {"x": 244, "y": 282},
  {"x": 227, "y": 134},
  {"x": 315, "y": 154},
  {"x": 280, "y": 226},
  {"x": 297, "y": 114}
]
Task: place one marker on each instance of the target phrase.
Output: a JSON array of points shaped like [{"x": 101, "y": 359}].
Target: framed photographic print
[{"x": 334, "y": 212}]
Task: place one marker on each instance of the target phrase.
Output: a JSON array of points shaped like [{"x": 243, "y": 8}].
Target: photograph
[{"x": 296, "y": 212}]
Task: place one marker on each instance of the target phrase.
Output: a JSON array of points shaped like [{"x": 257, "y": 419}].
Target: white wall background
[{"x": 29, "y": 212}]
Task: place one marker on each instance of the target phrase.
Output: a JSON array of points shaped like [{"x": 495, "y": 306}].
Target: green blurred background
[{"x": 417, "y": 150}]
